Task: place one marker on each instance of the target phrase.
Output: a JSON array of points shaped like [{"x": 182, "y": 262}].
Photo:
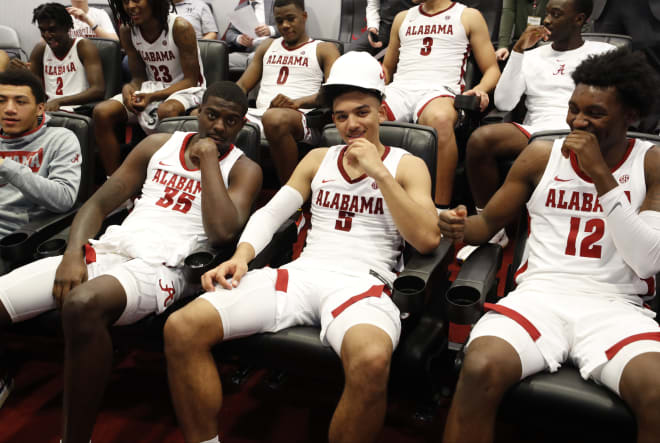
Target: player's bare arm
[
  {"x": 36, "y": 64},
  {"x": 507, "y": 203},
  {"x": 186, "y": 40},
  {"x": 225, "y": 208},
  {"x": 484, "y": 53},
  {"x": 89, "y": 56},
  {"x": 652, "y": 178},
  {"x": 123, "y": 184},
  {"x": 300, "y": 183},
  {"x": 135, "y": 65},
  {"x": 252, "y": 75},
  {"x": 392, "y": 54}
]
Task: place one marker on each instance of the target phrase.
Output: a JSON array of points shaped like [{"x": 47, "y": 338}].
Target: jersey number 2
[
  {"x": 345, "y": 221},
  {"x": 428, "y": 44},
  {"x": 596, "y": 229},
  {"x": 60, "y": 85},
  {"x": 183, "y": 203}
]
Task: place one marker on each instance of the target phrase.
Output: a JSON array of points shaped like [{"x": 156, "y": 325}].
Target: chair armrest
[
  {"x": 19, "y": 247},
  {"x": 411, "y": 287},
  {"x": 467, "y": 103},
  {"x": 497, "y": 116},
  {"x": 465, "y": 297}
]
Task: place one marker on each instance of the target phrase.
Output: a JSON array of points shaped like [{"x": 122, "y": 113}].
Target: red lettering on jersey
[
  {"x": 198, "y": 187},
  {"x": 72, "y": 67},
  {"x": 628, "y": 195},
  {"x": 181, "y": 183},
  {"x": 366, "y": 205},
  {"x": 354, "y": 204},
  {"x": 319, "y": 198},
  {"x": 326, "y": 202},
  {"x": 172, "y": 181},
  {"x": 156, "y": 175},
  {"x": 31, "y": 159},
  {"x": 429, "y": 30},
  {"x": 344, "y": 202},
  {"x": 587, "y": 202},
  {"x": 597, "y": 206},
  {"x": 575, "y": 202},
  {"x": 163, "y": 179},
  {"x": 188, "y": 188},
  {"x": 335, "y": 202},
  {"x": 561, "y": 204},
  {"x": 560, "y": 70},
  {"x": 379, "y": 206},
  {"x": 550, "y": 200}
]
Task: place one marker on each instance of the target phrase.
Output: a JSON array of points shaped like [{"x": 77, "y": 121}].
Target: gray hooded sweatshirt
[{"x": 40, "y": 173}]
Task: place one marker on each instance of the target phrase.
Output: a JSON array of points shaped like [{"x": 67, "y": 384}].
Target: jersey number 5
[
  {"x": 428, "y": 44},
  {"x": 596, "y": 229},
  {"x": 183, "y": 203},
  {"x": 345, "y": 221}
]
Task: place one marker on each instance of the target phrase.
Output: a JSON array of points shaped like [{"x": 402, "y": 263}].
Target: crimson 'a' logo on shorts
[
  {"x": 170, "y": 292},
  {"x": 624, "y": 179}
]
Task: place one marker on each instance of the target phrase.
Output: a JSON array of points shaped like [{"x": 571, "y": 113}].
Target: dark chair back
[
  {"x": 419, "y": 140},
  {"x": 82, "y": 128},
  {"x": 248, "y": 138},
  {"x": 617, "y": 40},
  {"x": 110, "y": 53},
  {"x": 352, "y": 19},
  {"x": 11, "y": 43},
  {"x": 492, "y": 12},
  {"x": 215, "y": 60}
]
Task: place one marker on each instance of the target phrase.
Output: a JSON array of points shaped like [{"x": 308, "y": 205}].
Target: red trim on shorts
[
  {"x": 585, "y": 177},
  {"x": 90, "y": 254},
  {"x": 610, "y": 353},
  {"x": 430, "y": 100},
  {"x": 520, "y": 270},
  {"x": 650, "y": 284},
  {"x": 390, "y": 115},
  {"x": 282, "y": 282},
  {"x": 515, "y": 316},
  {"x": 523, "y": 130},
  {"x": 421, "y": 10},
  {"x": 459, "y": 333},
  {"x": 374, "y": 291}
]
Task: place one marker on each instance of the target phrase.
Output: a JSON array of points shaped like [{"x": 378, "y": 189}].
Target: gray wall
[{"x": 323, "y": 18}]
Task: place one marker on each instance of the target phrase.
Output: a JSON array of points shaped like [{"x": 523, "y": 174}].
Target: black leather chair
[
  {"x": 18, "y": 247},
  {"x": 11, "y": 43},
  {"x": 215, "y": 60},
  {"x": 492, "y": 11},
  {"x": 591, "y": 412},
  {"x": 352, "y": 20},
  {"x": 298, "y": 350},
  {"x": 110, "y": 53}
]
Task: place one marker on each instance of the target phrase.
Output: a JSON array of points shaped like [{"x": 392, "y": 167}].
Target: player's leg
[
  {"x": 87, "y": 313},
  {"x": 499, "y": 354},
  {"x": 283, "y": 127},
  {"x": 191, "y": 332},
  {"x": 640, "y": 389},
  {"x": 108, "y": 116},
  {"x": 170, "y": 108},
  {"x": 485, "y": 147},
  {"x": 440, "y": 114}
]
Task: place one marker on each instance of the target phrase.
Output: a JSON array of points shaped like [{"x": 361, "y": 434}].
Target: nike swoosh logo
[
  {"x": 617, "y": 204},
  {"x": 557, "y": 179},
  {"x": 326, "y": 181},
  {"x": 163, "y": 164}
]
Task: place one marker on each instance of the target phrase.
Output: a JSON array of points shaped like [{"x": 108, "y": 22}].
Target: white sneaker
[{"x": 500, "y": 238}]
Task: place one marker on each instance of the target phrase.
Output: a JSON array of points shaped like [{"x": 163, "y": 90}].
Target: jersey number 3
[
  {"x": 183, "y": 203},
  {"x": 428, "y": 45},
  {"x": 596, "y": 229}
]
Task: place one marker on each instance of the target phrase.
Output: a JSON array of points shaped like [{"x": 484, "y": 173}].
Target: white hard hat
[{"x": 357, "y": 69}]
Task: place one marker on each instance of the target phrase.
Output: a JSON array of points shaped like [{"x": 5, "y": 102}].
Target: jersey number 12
[{"x": 596, "y": 229}]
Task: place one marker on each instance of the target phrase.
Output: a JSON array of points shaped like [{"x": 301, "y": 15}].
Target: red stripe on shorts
[
  {"x": 523, "y": 130},
  {"x": 90, "y": 254},
  {"x": 515, "y": 316},
  {"x": 430, "y": 100},
  {"x": 610, "y": 353},
  {"x": 374, "y": 291},
  {"x": 282, "y": 282}
]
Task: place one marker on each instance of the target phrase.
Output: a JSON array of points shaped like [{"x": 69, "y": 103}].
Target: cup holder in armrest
[
  {"x": 197, "y": 264},
  {"x": 464, "y": 307},
  {"x": 14, "y": 247},
  {"x": 51, "y": 248},
  {"x": 408, "y": 294}
]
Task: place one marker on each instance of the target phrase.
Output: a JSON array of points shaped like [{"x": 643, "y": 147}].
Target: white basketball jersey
[
  {"x": 548, "y": 82},
  {"x": 352, "y": 230},
  {"x": 162, "y": 57},
  {"x": 569, "y": 245},
  {"x": 166, "y": 222},
  {"x": 434, "y": 49},
  {"x": 293, "y": 72},
  {"x": 65, "y": 76}
]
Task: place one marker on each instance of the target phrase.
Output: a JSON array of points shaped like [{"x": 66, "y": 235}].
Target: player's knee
[
  {"x": 104, "y": 113},
  {"x": 182, "y": 334},
  {"x": 442, "y": 122},
  {"x": 170, "y": 109},
  {"x": 275, "y": 122},
  {"x": 478, "y": 144},
  {"x": 82, "y": 312},
  {"x": 485, "y": 371},
  {"x": 369, "y": 367}
]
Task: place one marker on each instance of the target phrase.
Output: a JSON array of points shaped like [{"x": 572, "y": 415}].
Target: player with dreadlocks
[{"x": 166, "y": 71}]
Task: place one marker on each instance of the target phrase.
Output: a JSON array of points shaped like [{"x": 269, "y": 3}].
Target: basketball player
[
  {"x": 166, "y": 70},
  {"x": 543, "y": 75},
  {"x": 195, "y": 188},
  {"x": 70, "y": 67},
  {"x": 593, "y": 200},
  {"x": 289, "y": 71},
  {"x": 425, "y": 62},
  {"x": 366, "y": 199}
]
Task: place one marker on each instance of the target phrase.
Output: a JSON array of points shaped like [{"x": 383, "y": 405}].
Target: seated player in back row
[
  {"x": 594, "y": 247},
  {"x": 425, "y": 62},
  {"x": 195, "y": 188},
  {"x": 166, "y": 70},
  {"x": 543, "y": 75},
  {"x": 366, "y": 199},
  {"x": 70, "y": 67},
  {"x": 289, "y": 71}
]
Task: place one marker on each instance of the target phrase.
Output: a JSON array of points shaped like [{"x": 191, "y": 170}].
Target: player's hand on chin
[
  {"x": 364, "y": 154},
  {"x": 228, "y": 274},
  {"x": 203, "y": 147},
  {"x": 586, "y": 148},
  {"x": 71, "y": 272}
]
